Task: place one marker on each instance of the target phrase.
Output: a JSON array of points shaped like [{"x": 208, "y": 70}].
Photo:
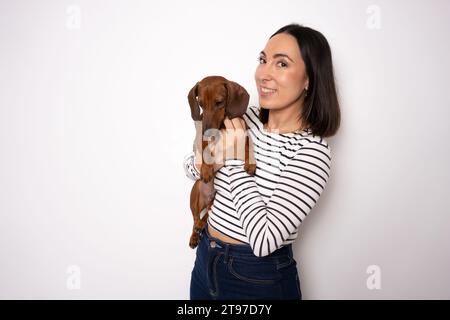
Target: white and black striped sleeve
[
  {"x": 189, "y": 167},
  {"x": 299, "y": 187}
]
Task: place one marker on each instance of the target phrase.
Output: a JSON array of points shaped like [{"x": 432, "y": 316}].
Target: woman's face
[{"x": 280, "y": 76}]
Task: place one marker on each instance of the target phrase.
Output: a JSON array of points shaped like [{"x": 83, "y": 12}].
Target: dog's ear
[
  {"x": 195, "y": 108},
  {"x": 237, "y": 100}
]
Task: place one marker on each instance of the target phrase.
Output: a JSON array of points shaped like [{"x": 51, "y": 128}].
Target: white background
[{"x": 94, "y": 124}]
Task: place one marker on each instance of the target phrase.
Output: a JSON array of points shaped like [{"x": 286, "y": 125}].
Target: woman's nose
[{"x": 265, "y": 73}]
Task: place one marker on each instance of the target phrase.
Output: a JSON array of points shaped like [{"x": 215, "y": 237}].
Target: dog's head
[{"x": 218, "y": 98}]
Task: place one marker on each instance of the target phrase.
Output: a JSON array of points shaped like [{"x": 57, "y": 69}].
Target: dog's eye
[{"x": 219, "y": 103}]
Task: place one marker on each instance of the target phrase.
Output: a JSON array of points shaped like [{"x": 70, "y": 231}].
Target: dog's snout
[{"x": 210, "y": 130}]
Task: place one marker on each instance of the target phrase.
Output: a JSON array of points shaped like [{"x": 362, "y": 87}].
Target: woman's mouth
[{"x": 265, "y": 92}]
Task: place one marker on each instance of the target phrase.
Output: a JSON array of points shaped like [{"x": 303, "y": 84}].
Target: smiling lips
[{"x": 266, "y": 91}]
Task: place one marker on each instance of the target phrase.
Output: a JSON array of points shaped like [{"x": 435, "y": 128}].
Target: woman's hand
[
  {"x": 208, "y": 152},
  {"x": 231, "y": 143}
]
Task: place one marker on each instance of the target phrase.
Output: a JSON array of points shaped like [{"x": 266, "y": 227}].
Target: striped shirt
[{"x": 266, "y": 210}]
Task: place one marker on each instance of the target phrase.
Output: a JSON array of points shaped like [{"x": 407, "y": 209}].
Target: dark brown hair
[{"x": 321, "y": 107}]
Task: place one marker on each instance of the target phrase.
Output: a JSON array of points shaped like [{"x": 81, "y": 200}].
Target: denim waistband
[{"x": 243, "y": 250}]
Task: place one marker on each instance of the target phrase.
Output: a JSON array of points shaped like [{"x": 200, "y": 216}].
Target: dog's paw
[
  {"x": 193, "y": 242},
  {"x": 250, "y": 168}
]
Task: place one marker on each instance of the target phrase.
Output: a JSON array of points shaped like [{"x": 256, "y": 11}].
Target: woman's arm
[
  {"x": 192, "y": 165},
  {"x": 299, "y": 187},
  {"x": 190, "y": 169},
  {"x": 192, "y": 162}
]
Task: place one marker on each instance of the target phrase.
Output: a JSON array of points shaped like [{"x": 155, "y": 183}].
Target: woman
[{"x": 245, "y": 251}]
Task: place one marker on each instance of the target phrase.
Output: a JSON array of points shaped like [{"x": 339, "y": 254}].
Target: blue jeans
[{"x": 232, "y": 271}]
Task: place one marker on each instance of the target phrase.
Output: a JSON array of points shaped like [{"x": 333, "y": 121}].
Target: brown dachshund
[{"x": 218, "y": 98}]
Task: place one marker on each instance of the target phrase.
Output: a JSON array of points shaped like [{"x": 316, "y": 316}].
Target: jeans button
[{"x": 212, "y": 244}]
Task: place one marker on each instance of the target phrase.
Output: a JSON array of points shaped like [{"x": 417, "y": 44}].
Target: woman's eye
[
  {"x": 261, "y": 59},
  {"x": 282, "y": 64}
]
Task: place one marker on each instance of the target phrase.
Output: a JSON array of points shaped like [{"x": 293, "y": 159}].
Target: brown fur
[{"x": 218, "y": 98}]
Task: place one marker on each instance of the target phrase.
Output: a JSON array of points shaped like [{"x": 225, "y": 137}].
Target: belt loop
[{"x": 225, "y": 258}]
